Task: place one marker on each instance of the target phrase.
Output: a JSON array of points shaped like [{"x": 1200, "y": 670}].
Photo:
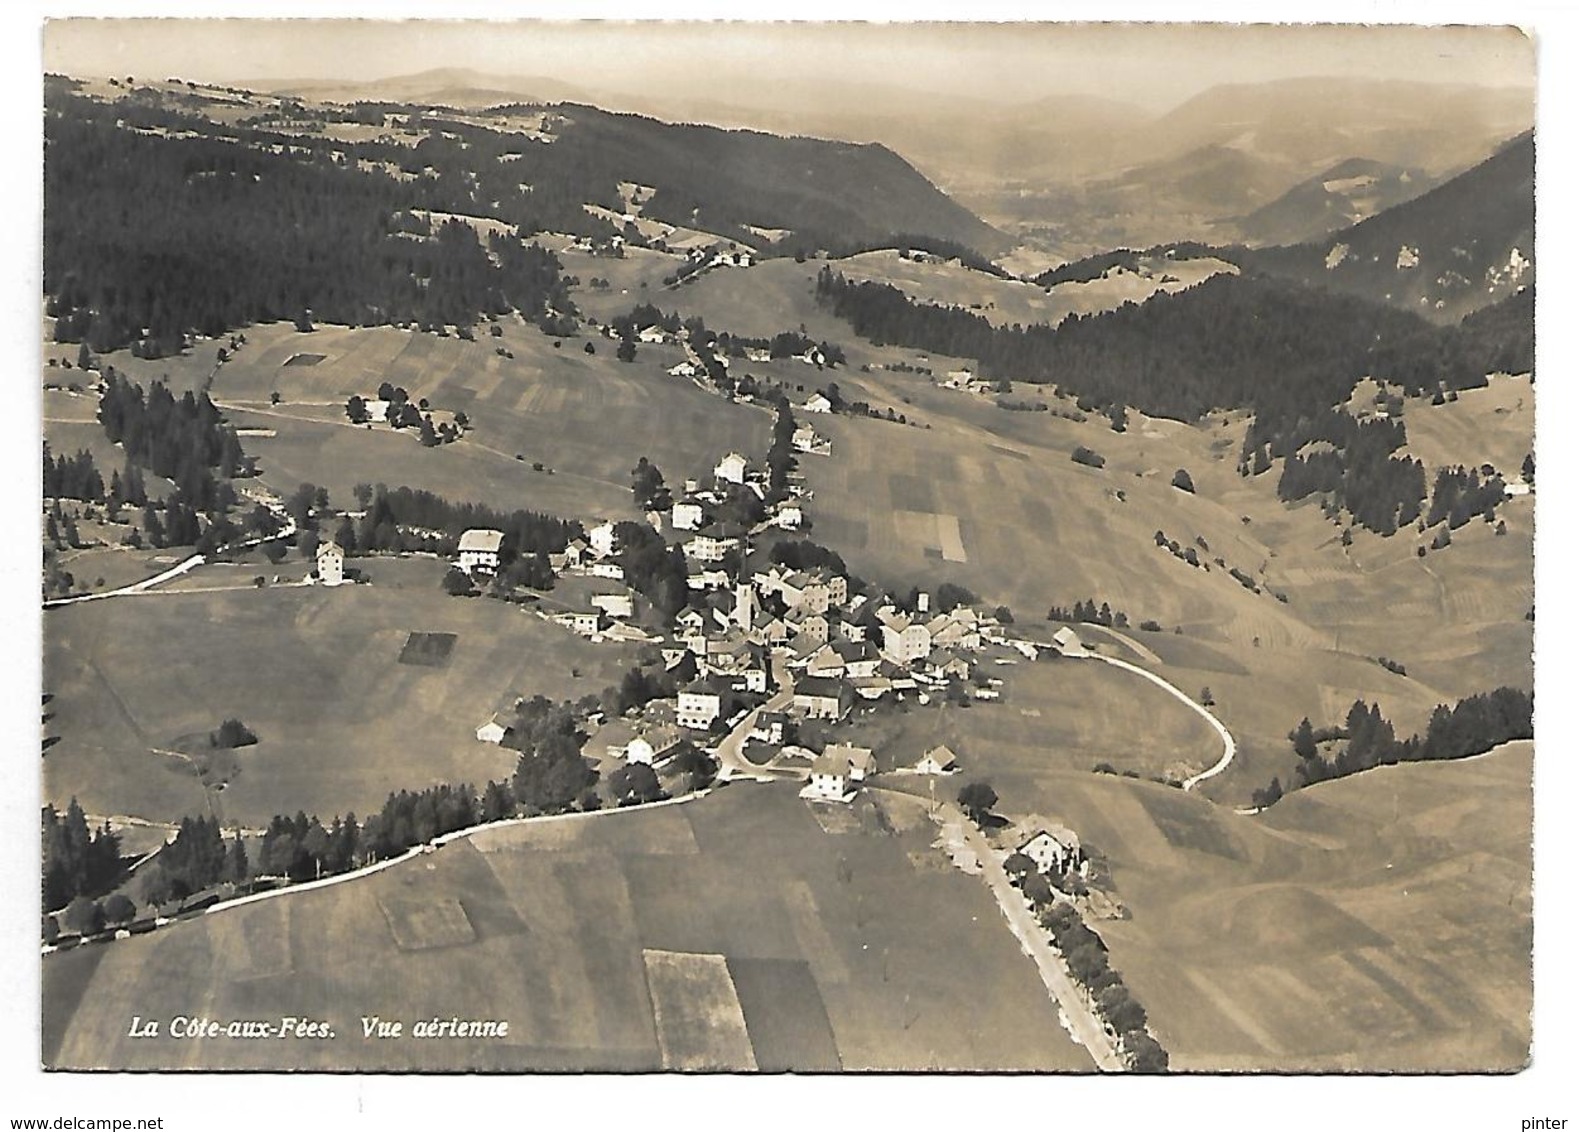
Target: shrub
[
  {"x": 231, "y": 733},
  {"x": 1182, "y": 481},
  {"x": 1084, "y": 455},
  {"x": 119, "y": 909}
]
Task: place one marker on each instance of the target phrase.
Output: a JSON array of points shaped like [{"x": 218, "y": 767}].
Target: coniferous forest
[
  {"x": 150, "y": 238},
  {"x": 1288, "y": 353}
]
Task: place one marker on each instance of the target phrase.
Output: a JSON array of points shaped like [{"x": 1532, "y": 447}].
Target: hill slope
[
  {"x": 1345, "y": 194},
  {"x": 1461, "y": 246}
]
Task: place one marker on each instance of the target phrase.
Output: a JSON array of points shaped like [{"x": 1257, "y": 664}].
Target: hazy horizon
[{"x": 1155, "y": 66}]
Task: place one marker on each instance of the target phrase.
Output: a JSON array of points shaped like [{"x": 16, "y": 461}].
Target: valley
[{"x": 570, "y": 487}]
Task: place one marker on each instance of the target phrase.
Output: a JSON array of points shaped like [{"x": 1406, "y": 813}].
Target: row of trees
[
  {"x": 1472, "y": 726},
  {"x": 1087, "y": 959},
  {"x": 1286, "y": 352},
  {"x": 77, "y": 861}
]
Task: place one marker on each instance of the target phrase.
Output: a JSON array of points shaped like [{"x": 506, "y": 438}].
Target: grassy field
[
  {"x": 1381, "y": 922},
  {"x": 586, "y": 417},
  {"x": 1054, "y": 717},
  {"x": 1004, "y": 302},
  {"x": 315, "y": 672},
  {"x": 821, "y": 950}
]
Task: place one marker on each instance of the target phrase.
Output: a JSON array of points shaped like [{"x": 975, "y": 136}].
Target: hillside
[
  {"x": 322, "y": 203},
  {"x": 1465, "y": 244},
  {"x": 726, "y": 180},
  {"x": 1345, "y": 194}
]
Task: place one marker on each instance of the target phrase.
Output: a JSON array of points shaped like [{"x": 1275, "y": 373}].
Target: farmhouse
[
  {"x": 584, "y": 622},
  {"x": 1068, "y": 642},
  {"x": 859, "y": 759},
  {"x": 602, "y": 540},
  {"x": 615, "y": 605},
  {"x": 1056, "y": 849},
  {"x": 686, "y": 515},
  {"x": 829, "y": 781},
  {"x": 651, "y": 335},
  {"x": 788, "y": 516},
  {"x": 479, "y": 550},
  {"x": 939, "y": 760},
  {"x": 822, "y": 698},
  {"x": 684, "y": 369},
  {"x": 817, "y": 403},
  {"x": 331, "y": 563},
  {"x": 651, "y": 746},
  {"x": 494, "y": 731},
  {"x": 732, "y": 468},
  {"x": 805, "y": 439}
]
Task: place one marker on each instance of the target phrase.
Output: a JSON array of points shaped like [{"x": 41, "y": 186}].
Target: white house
[
  {"x": 479, "y": 550},
  {"x": 686, "y": 515},
  {"x": 684, "y": 369},
  {"x": 821, "y": 698},
  {"x": 651, "y": 746},
  {"x": 732, "y": 468},
  {"x": 939, "y": 760},
  {"x": 706, "y": 548},
  {"x": 1068, "y": 642},
  {"x": 903, "y": 640},
  {"x": 610, "y": 570},
  {"x": 859, "y": 759},
  {"x": 602, "y": 539},
  {"x": 817, "y": 403},
  {"x": 700, "y": 704},
  {"x": 651, "y": 335},
  {"x": 1053, "y": 850},
  {"x": 788, "y": 516},
  {"x": 331, "y": 563},
  {"x": 829, "y": 781},
  {"x": 493, "y": 731},
  {"x": 615, "y": 605},
  {"x": 805, "y": 439}
]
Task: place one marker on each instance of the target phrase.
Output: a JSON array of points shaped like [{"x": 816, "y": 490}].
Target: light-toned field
[
  {"x": 837, "y": 950},
  {"x": 586, "y": 417},
  {"x": 1004, "y": 302},
  {"x": 1054, "y": 717},
  {"x": 314, "y": 672},
  {"x": 1494, "y": 425},
  {"x": 1380, "y": 922}
]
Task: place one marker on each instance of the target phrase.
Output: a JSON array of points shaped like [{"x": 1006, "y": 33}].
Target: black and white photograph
[{"x": 697, "y": 547}]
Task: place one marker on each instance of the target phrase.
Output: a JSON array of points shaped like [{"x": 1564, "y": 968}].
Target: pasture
[
  {"x": 723, "y": 933},
  {"x": 1055, "y": 717},
  {"x": 585, "y": 417},
  {"x": 1377, "y": 923},
  {"x": 1004, "y": 302},
  {"x": 318, "y": 675}
]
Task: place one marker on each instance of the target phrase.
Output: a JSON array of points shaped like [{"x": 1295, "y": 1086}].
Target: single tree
[{"x": 977, "y": 799}]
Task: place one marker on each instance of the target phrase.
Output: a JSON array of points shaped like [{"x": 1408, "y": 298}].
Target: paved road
[
  {"x": 1071, "y": 1000},
  {"x": 731, "y": 762}
]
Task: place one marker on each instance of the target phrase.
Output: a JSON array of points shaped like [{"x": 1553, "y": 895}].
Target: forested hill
[
  {"x": 150, "y": 237},
  {"x": 161, "y": 221},
  {"x": 835, "y": 193},
  {"x": 1465, "y": 244},
  {"x": 1288, "y": 353},
  {"x": 1230, "y": 342}
]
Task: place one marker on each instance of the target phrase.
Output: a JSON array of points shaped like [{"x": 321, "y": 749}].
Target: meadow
[
  {"x": 725, "y": 933},
  {"x": 1393, "y": 906},
  {"x": 315, "y": 672}
]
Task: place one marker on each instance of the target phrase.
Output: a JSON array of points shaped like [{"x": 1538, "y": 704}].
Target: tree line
[
  {"x": 1472, "y": 726},
  {"x": 77, "y": 861},
  {"x": 1287, "y": 352},
  {"x": 143, "y": 232}
]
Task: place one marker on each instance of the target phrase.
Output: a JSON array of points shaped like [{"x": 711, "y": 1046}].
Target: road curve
[{"x": 1229, "y": 746}]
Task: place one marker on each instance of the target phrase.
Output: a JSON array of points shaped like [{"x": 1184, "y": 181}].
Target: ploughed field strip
[
  {"x": 730, "y": 932},
  {"x": 431, "y": 650}
]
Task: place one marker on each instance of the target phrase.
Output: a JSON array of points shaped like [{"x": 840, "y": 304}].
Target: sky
[{"x": 1155, "y": 65}]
